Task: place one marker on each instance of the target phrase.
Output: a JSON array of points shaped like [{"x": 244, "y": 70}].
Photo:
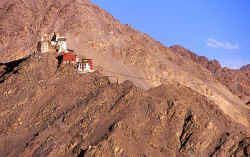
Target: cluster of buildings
[{"x": 54, "y": 42}]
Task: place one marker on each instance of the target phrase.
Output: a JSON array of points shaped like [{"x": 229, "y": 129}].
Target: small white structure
[
  {"x": 77, "y": 59},
  {"x": 86, "y": 65},
  {"x": 80, "y": 67},
  {"x": 61, "y": 42},
  {"x": 45, "y": 43},
  {"x": 44, "y": 46}
]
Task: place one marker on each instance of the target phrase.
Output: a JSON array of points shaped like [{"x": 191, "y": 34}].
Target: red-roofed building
[{"x": 69, "y": 58}]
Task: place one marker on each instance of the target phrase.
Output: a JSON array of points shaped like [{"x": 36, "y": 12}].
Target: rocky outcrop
[
  {"x": 245, "y": 67},
  {"x": 211, "y": 65},
  {"x": 237, "y": 81}
]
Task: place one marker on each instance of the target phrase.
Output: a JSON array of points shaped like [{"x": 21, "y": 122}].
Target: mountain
[
  {"x": 59, "y": 112},
  {"x": 245, "y": 67},
  {"x": 237, "y": 81},
  {"x": 171, "y": 106},
  {"x": 213, "y": 65}
]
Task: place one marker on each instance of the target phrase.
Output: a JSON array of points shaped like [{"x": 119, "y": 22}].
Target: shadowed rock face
[
  {"x": 171, "y": 106},
  {"x": 58, "y": 112},
  {"x": 237, "y": 81}
]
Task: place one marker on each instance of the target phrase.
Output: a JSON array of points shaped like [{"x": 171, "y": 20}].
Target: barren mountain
[
  {"x": 246, "y": 67},
  {"x": 237, "y": 81},
  {"x": 171, "y": 106},
  {"x": 59, "y": 112}
]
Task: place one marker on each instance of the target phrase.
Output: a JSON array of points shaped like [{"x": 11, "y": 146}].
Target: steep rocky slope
[
  {"x": 123, "y": 52},
  {"x": 246, "y": 67},
  {"x": 237, "y": 81},
  {"x": 47, "y": 111},
  {"x": 212, "y": 65},
  {"x": 56, "y": 111}
]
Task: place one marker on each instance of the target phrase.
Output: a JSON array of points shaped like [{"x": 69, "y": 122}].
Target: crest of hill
[
  {"x": 237, "y": 80},
  {"x": 245, "y": 67}
]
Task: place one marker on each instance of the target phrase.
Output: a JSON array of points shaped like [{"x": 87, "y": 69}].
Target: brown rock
[
  {"x": 237, "y": 81},
  {"x": 172, "y": 106}
]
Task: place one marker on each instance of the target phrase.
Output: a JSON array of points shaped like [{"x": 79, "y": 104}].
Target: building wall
[
  {"x": 44, "y": 46},
  {"x": 69, "y": 57}
]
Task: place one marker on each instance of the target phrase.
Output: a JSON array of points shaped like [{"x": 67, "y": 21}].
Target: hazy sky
[{"x": 218, "y": 29}]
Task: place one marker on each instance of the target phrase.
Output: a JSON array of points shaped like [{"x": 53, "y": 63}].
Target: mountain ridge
[
  {"x": 48, "y": 110},
  {"x": 245, "y": 67},
  {"x": 236, "y": 80}
]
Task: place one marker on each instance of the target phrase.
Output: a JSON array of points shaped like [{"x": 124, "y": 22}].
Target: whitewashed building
[{"x": 61, "y": 42}]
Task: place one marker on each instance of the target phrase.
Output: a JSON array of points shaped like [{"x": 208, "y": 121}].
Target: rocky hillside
[
  {"x": 48, "y": 110},
  {"x": 246, "y": 67},
  {"x": 237, "y": 81},
  {"x": 213, "y": 65},
  {"x": 56, "y": 111},
  {"x": 123, "y": 52}
]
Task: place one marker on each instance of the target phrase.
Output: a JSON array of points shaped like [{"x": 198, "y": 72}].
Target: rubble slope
[{"x": 55, "y": 111}]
